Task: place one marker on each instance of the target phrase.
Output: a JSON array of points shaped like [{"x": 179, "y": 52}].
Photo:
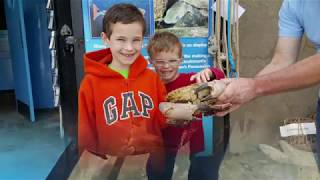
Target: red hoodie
[{"x": 114, "y": 112}]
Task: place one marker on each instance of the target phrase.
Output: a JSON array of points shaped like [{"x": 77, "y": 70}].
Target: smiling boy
[
  {"x": 119, "y": 96},
  {"x": 165, "y": 51}
]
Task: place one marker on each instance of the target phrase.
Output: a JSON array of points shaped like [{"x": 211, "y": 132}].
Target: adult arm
[
  {"x": 302, "y": 74},
  {"x": 286, "y": 53},
  {"x": 281, "y": 75}
]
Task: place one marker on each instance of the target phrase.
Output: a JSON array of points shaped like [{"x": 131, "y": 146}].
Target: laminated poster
[{"x": 190, "y": 20}]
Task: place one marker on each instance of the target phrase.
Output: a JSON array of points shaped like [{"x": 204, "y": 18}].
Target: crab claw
[
  {"x": 178, "y": 111},
  {"x": 209, "y": 91},
  {"x": 203, "y": 91}
]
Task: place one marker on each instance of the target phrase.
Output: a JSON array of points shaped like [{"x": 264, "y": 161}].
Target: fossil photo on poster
[{"x": 185, "y": 18}]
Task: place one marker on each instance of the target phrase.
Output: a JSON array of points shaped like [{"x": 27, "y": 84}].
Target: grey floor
[
  {"x": 256, "y": 165},
  {"x": 28, "y": 151}
]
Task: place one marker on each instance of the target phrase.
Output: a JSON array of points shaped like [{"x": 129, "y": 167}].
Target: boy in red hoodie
[
  {"x": 119, "y": 96},
  {"x": 165, "y": 51}
]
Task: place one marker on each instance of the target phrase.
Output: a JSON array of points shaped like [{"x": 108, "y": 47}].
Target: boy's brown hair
[
  {"x": 164, "y": 42},
  {"x": 123, "y": 13}
]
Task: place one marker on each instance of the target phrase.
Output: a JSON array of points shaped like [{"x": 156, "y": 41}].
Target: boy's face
[
  {"x": 167, "y": 65},
  {"x": 125, "y": 44}
]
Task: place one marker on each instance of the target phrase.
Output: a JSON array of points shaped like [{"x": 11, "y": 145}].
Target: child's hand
[{"x": 202, "y": 76}]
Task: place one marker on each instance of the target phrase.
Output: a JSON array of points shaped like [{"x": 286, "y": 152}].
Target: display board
[{"x": 188, "y": 19}]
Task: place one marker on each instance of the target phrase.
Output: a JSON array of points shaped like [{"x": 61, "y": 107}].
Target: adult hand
[
  {"x": 238, "y": 92},
  {"x": 202, "y": 76}
]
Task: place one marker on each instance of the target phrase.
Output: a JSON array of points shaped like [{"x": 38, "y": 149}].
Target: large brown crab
[{"x": 183, "y": 103}]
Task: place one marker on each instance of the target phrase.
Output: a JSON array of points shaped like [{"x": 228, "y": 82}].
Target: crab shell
[{"x": 200, "y": 93}]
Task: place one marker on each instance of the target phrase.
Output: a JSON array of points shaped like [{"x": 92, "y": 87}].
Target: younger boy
[
  {"x": 165, "y": 51},
  {"x": 119, "y": 96}
]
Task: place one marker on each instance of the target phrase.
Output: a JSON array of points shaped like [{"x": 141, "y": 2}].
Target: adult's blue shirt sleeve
[{"x": 289, "y": 23}]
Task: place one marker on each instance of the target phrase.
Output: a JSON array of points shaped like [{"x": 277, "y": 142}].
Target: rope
[
  {"x": 217, "y": 33},
  {"x": 237, "y": 36},
  {"x": 228, "y": 43},
  {"x": 233, "y": 72},
  {"x": 225, "y": 42}
]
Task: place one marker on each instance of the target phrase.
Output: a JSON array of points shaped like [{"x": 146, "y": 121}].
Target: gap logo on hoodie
[{"x": 129, "y": 104}]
